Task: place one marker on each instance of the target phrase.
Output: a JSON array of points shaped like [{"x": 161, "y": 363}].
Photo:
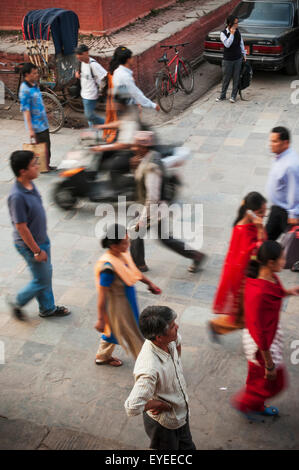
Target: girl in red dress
[
  {"x": 248, "y": 234},
  {"x": 262, "y": 336}
]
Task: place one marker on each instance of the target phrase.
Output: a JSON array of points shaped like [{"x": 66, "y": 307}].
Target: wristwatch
[
  {"x": 37, "y": 254},
  {"x": 270, "y": 369}
]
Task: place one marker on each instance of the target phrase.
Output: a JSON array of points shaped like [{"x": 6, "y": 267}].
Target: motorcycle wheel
[{"x": 63, "y": 196}]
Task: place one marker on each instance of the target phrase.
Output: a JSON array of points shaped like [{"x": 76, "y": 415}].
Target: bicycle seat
[{"x": 163, "y": 59}]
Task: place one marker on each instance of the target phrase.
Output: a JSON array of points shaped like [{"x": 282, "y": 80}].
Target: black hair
[
  {"x": 120, "y": 57},
  {"x": 230, "y": 20},
  {"x": 269, "y": 251},
  {"x": 20, "y": 160},
  {"x": 114, "y": 236},
  {"x": 284, "y": 133},
  {"x": 253, "y": 201},
  {"x": 27, "y": 68},
  {"x": 154, "y": 321}
]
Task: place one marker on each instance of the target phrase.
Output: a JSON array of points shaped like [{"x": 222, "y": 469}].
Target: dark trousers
[
  {"x": 167, "y": 439},
  {"x": 231, "y": 69},
  {"x": 277, "y": 222},
  {"x": 137, "y": 248},
  {"x": 44, "y": 137},
  {"x": 117, "y": 164}
]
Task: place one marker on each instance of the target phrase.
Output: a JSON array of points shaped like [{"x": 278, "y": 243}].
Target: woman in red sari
[
  {"x": 262, "y": 337},
  {"x": 248, "y": 234}
]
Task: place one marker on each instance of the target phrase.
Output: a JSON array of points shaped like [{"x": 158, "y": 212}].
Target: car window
[{"x": 264, "y": 13}]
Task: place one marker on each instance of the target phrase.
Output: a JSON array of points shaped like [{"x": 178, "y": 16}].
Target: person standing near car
[
  {"x": 31, "y": 240},
  {"x": 92, "y": 79},
  {"x": 33, "y": 109},
  {"x": 283, "y": 184},
  {"x": 233, "y": 54}
]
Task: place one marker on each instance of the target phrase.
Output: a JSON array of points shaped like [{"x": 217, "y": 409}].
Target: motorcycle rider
[
  {"x": 149, "y": 172},
  {"x": 116, "y": 156}
]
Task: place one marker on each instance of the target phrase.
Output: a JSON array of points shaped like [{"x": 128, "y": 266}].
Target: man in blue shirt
[
  {"x": 283, "y": 184},
  {"x": 33, "y": 108},
  {"x": 28, "y": 218}
]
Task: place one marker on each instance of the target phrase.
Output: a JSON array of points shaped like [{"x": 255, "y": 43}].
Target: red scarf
[{"x": 243, "y": 244}]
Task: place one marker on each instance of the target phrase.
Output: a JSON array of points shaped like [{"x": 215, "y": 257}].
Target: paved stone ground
[{"x": 49, "y": 377}]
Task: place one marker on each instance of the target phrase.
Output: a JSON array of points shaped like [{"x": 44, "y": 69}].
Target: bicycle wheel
[
  {"x": 165, "y": 92},
  {"x": 7, "y": 98},
  {"x": 54, "y": 111},
  {"x": 74, "y": 103},
  {"x": 186, "y": 76}
]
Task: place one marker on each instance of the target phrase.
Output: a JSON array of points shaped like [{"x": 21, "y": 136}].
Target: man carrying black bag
[{"x": 91, "y": 76}]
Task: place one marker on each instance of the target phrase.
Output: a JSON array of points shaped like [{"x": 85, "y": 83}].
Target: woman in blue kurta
[{"x": 118, "y": 315}]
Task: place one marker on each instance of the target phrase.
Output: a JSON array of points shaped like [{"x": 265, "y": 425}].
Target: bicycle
[
  {"x": 166, "y": 84},
  {"x": 54, "y": 109}
]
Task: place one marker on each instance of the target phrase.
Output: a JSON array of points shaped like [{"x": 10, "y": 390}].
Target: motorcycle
[{"x": 85, "y": 176}]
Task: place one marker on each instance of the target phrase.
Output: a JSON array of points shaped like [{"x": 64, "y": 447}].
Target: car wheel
[{"x": 292, "y": 66}]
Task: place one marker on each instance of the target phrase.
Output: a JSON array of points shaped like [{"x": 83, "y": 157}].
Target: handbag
[
  {"x": 290, "y": 243},
  {"x": 41, "y": 152}
]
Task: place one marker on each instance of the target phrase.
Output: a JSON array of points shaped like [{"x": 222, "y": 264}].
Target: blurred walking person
[
  {"x": 248, "y": 234},
  {"x": 149, "y": 173},
  {"x": 262, "y": 336},
  {"x": 123, "y": 77},
  {"x": 283, "y": 184},
  {"x": 118, "y": 314}
]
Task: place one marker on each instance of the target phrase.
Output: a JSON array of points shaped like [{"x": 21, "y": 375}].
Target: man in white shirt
[
  {"x": 123, "y": 77},
  {"x": 92, "y": 76},
  {"x": 160, "y": 388}
]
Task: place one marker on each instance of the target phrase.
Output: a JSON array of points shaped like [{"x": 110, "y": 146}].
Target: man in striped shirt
[{"x": 160, "y": 388}]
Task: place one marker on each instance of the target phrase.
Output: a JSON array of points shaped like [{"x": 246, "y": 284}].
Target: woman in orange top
[
  {"x": 248, "y": 234},
  {"x": 109, "y": 134},
  {"x": 118, "y": 315}
]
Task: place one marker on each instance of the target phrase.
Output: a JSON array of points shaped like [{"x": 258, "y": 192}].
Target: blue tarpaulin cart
[{"x": 63, "y": 25}]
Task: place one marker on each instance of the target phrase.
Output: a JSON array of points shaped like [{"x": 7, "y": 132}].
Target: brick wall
[
  {"x": 128, "y": 11},
  {"x": 95, "y": 16}
]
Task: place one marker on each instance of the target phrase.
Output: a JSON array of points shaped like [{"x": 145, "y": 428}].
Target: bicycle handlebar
[{"x": 170, "y": 46}]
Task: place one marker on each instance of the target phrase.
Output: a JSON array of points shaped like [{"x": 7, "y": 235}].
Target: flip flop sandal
[
  {"x": 58, "y": 312},
  {"x": 270, "y": 411},
  {"x": 257, "y": 416},
  {"x": 117, "y": 362}
]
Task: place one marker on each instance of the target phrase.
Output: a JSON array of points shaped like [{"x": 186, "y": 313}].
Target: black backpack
[{"x": 245, "y": 77}]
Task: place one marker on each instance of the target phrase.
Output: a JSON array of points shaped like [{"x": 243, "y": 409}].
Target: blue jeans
[
  {"x": 89, "y": 111},
  {"x": 41, "y": 284}
]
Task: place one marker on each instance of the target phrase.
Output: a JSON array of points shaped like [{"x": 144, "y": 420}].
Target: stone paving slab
[{"x": 50, "y": 378}]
